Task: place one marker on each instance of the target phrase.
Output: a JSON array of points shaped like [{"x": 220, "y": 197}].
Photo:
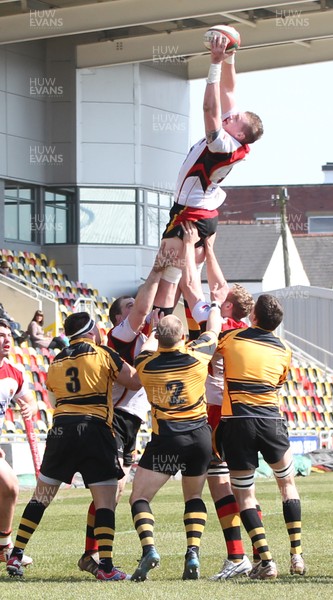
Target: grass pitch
[{"x": 59, "y": 541}]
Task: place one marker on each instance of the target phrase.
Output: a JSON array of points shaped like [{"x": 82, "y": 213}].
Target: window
[
  {"x": 322, "y": 224},
  {"x": 158, "y": 207},
  {"x": 58, "y": 221},
  {"x": 123, "y": 216},
  {"x": 107, "y": 216},
  {"x": 20, "y": 213}
]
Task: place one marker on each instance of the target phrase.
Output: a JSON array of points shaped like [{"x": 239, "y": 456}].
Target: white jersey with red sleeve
[
  {"x": 128, "y": 344},
  {"x": 13, "y": 384},
  {"x": 205, "y": 167}
]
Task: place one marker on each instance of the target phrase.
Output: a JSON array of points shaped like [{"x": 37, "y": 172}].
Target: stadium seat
[
  {"x": 328, "y": 403},
  {"x": 42, "y": 427}
]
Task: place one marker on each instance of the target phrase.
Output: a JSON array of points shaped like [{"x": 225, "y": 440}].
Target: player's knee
[
  {"x": 242, "y": 482},
  {"x": 285, "y": 473},
  {"x": 9, "y": 487}
]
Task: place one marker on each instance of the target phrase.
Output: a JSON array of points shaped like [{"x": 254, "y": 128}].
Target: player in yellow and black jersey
[
  {"x": 256, "y": 364},
  {"x": 174, "y": 378},
  {"x": 81, "y": 378},
  {"x": 81, "y": 438}
]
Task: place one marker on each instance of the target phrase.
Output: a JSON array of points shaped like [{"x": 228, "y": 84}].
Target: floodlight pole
[{"x": 282, "y": 198}]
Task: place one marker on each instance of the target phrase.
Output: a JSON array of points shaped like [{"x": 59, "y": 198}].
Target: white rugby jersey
[
  {"x": 205, "y": 167},
  {"x": 128, "y": 343},
  {"x": 13, "y": 384}
]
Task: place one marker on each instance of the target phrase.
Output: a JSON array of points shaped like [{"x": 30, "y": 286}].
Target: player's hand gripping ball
[{"x": 226, "y": 31}]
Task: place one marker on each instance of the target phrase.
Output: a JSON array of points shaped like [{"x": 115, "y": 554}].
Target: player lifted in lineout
[{"x": 198, "y": 190}]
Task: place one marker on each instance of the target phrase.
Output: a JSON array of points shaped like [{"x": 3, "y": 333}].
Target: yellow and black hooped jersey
[
  {"x": 174, "y": 380},
  {"x": 81, "y": 378},
  {"x": 256, "y": 364}
]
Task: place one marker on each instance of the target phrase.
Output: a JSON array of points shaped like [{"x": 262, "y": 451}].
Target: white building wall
[
  {"x": 132, "y": 130},
  {"x": 132, "y": 125},
  {"x": 37, "y": 109},
  {"x": 165, "y": 107},
  {"x": 23, "y": 115},
  {"x": 114, "y": 270}
]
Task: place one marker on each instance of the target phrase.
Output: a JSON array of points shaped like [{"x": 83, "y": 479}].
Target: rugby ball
[{"x": 223, "y": 30}]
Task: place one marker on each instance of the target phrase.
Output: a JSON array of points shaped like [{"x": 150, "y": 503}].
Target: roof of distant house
[
  {"x": 244, "y": 250},
  {"x": 316, "y": 252}
]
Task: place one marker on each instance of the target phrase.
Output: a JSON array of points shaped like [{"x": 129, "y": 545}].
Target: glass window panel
[
  {"x": 320, "y": 224},
  {"x": 165, "y": 200},
  {"x": 107, "y": 195},
  {"x": 164, "y": 219},
  {"x": 141, "y": 226},
  {"x": 48, "y": 225},
  {"x": 152, "y": 198},
  {"x": 11, "y": 193},
  {"x": 25, "y": 193},
  {"x": 25, "y": 223},
  {"x": 107, "y": 224},
  {"x": 61, "y": 197},
  {"x": 60, "y": 226},
  {"x": 153, "y": 236},
  {"x": 11, "y": 221}
]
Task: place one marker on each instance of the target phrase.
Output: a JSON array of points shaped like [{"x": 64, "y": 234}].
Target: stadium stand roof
[{"x": 126, "y": 31}]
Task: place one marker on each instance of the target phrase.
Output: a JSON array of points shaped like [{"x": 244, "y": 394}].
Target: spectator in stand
[
  {"x": 37, "y": 336},
  {"x": 5, "y": 269},
  {"x": 17, "y": 335}
]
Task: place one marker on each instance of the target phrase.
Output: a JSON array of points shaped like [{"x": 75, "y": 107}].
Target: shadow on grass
[
  {"x": 34, "y": 580},
  {"x": 241, "y": 581},
  {"x": 290, "y": 579}
]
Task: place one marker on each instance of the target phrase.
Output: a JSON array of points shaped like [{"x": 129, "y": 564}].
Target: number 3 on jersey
[{"x": 73, "y": 385}]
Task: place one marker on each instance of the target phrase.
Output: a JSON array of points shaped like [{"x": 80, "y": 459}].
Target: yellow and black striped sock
[
  {"x": 292, "y": 517},
  {"x": 30, "y": 520},
  {"x": 195, "y": 517},
  {"x": 255, "y": 553},
  {"x": 91, "y": 544},
  {"x": 143, "y": 520},
  {"x": 104, "y": 534},
  {"x": 193, "y": 327},
  {"x": 256, "y": 531},
  {"x": 228, "y": 515}
]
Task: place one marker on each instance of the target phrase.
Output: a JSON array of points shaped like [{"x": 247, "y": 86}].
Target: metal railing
[
  {"x": 23, "y": 285},
  {"x": 305, "y": 355}
]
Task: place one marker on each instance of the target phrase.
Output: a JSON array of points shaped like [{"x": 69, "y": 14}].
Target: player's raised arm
[
  {"x": 228, "y": 84},
  {"x": 216, "y": 281},
  {"x": 190, "y": 282},
  {"x": 212, "y": 97},
  {"x": 147, "y": 292}
]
